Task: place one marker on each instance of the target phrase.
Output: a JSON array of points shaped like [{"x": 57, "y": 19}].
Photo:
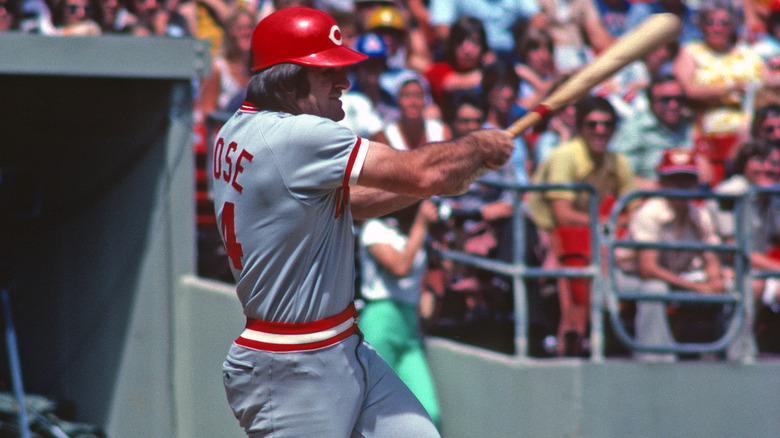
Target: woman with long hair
[
  {"x": 230, "y": 70},
  {"x": 465, "y": 53}
]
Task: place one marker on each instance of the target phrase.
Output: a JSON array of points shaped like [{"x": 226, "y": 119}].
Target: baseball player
[{"x": 288, "y": 181}]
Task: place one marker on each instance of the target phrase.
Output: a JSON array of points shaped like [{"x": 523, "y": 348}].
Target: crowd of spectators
[{"x": 439, "y": 68}]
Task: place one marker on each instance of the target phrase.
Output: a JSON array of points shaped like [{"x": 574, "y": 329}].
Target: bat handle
[{"x": 520, "y": 125}]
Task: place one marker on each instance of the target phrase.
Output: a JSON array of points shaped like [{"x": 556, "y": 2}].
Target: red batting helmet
[{"x": 302, "y": 36}]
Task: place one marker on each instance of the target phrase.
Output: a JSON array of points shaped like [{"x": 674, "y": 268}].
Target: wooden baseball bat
[{"x": 643, "y": 39}]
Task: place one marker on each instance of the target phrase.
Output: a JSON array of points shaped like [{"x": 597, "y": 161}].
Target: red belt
[{"x": 289, "y": 337}]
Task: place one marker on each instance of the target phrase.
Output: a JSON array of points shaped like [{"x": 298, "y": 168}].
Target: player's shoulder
[
  {"x": 320, "y": 131},
  {"x": 311, "y": 125},
  {"x": 300, "y": 128}
]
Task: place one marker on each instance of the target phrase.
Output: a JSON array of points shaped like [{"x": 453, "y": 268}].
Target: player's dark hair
[
  {"x": 589, "y": 104},
  {"x": 275, "y": 87}
]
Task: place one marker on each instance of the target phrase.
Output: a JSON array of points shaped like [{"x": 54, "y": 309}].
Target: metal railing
[
  {"x": 605, "y": 297},
  {"x": 518, "y": 270},
  {"x": 739, "y": 295}
]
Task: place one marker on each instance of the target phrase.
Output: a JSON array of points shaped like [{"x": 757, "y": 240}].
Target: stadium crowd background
[{"x": 438, "y": 68}]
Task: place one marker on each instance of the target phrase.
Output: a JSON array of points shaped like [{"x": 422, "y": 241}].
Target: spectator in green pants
[{"x": 393, "y": 263}]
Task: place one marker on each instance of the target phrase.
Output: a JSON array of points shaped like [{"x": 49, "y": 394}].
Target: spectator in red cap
[{"x": 660, "y": 271}]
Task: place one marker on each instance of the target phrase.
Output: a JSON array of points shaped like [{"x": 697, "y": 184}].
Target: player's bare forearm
[
  {"x": 449, "y": 164},
  {"x": 436, "y": 168},
  {"x": 368, "y": 202}
]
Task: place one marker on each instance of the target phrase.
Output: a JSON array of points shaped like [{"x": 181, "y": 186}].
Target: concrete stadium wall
[
  {"x": 207, "y": 318},
  {"x": 487, "y": 394}
]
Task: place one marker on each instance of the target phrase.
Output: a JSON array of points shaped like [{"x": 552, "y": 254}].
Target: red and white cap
[{"x": 678, "y": 161}]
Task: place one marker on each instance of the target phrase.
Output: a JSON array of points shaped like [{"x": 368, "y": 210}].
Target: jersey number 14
[{"x": 232, "y": 246}]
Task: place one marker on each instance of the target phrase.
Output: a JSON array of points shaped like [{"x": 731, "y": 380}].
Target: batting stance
[{"x": 288, "y": 180}]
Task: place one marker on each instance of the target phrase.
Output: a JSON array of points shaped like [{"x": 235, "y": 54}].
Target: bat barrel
[{"x": 655, "y": 31}]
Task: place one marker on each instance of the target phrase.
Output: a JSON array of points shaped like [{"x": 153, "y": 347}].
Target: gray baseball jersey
[
  {"x": 281, "y": 196},
  {"x": 278, "y": 185}
]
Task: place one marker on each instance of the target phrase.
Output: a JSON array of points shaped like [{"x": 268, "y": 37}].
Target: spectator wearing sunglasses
[
  {"x": 643, "y": 137},
  {"x": 75, "y": 18},
  {"x": 564, "y": 214}
]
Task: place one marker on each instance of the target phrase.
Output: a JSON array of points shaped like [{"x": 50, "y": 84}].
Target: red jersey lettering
[
  {"x": 229, "y": 161},
  {"x": 234, "y": 249},
  {"x": 217, "y": 159},
  {"x": 224, "y": 166},
  {"x": 240, "y": 169}
]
